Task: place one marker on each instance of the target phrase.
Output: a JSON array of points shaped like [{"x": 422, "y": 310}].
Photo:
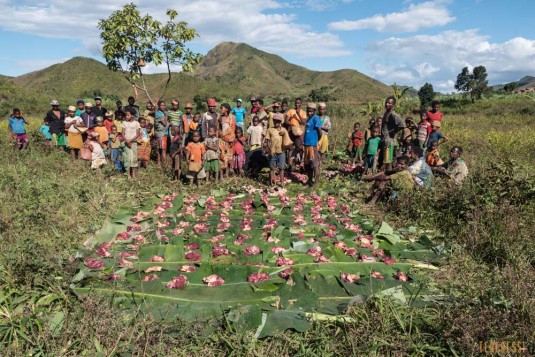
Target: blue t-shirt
[
  {"x": 434, "y": 136},
  {"x": 239, "y": 113},
  {"x": 45, "y": 129},
  {"x": 17, "y": 125},
  {"x": 311, "y": 134}
]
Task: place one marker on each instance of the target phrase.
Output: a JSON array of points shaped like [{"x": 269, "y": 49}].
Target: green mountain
[
  {"x": 267, "y": 74},
  {"x": 228, "y": 71},
  {"x": 526, "y": 80}
]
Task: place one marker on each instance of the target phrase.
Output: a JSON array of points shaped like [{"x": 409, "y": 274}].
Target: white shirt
[
  {"x": 73, "y": 120},
  {"x": 98, "y": 152},
  {"x": 130, "y": 129}
]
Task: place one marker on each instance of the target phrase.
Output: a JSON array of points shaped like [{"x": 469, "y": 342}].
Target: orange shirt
[
  {"x": 195, "y": 151},
  {"x": 103, "y": 132},
  {"x": 294, "y": 119}
]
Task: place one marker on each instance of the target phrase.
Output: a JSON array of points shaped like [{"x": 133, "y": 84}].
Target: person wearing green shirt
[{"x": 400, "y": 181}]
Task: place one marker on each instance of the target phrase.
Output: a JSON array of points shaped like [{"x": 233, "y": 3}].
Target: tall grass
[{"x": 51, "y": 205}]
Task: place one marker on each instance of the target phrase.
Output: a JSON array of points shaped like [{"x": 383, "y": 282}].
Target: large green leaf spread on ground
[{"x": 299, "y": 226}]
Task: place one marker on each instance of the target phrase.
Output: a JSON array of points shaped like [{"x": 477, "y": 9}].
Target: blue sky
[{"x": 407, "y": 42}]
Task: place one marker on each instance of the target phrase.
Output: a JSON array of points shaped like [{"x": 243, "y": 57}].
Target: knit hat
[
  {"x": 89, "y": 105},
  {"x": 322, "y": 105},
  {"x": 54, "y": 102},
  {"x": 71, "y": 108},
  {"x": 311, "y": 105},
  {"x": 188, "y": 106},
  {"x": 211, "y": 102}
]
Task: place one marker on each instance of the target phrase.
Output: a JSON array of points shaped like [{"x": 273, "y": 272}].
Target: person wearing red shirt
[{"x": 434, "y": 114}]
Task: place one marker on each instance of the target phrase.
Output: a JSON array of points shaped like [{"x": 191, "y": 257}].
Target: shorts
[
  {"x": 22, "y": 138},
  {"x": 278, "y": 161},
  {"x": 356, "y": 152},
  {"x": 212, "y": 166},
  {"x": 323, "y": 144},
  {"x": 369, "y": 161},
  {"x": 311, "y": 156},
  {"x": 58, "y": 139},
  {"x": 238, "y": 160},
  {"x": 388, "y": 154},
  {"x": 200, "y": 175}
]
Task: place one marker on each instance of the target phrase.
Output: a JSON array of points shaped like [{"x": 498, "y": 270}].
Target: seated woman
[
  {"x": 398, "y": 181},
  {"x": 455, "y": 168}
]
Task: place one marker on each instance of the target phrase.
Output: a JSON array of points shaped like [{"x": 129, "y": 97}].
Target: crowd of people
[
  {"x": 398, "y": 155},
  {"x": 393, "y": 153}
]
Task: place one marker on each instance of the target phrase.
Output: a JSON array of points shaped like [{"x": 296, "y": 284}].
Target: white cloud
[
  {"x": 415, "y": 17},
  {"x": 321, "y": 5},
  {"x": 261, "y": 23},
  {"x": 439, "y": 58}
]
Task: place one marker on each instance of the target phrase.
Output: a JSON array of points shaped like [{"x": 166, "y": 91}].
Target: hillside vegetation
[
  {"x": 51, "y": 206},
  {"x": 228, "y": 72},
  {"x": 268, "y": 74}
]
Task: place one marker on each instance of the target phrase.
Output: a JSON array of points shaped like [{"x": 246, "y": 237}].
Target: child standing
[
  {"x": 297, "y": 157},
  {"x": 372, "y": 150},
  {"x": 424, "y": 129},
  {"x": 436, "y": 135},
  {"x": 238, "y": 152},
  {"x": 274, "y": 140},
  {"x": 196, "y": 156},
  {"x": 175, "y": 151},
  {"x": 115, "y": 146},
  {"x": 102, "y": 130},
  {"x": 212, "y": 155},
  {"x": 356, "y": 140},
  {"x": 108, "y": 121},
  {"x": 131, "y": 131},
  {"x": 45, "y": 131},
  {"x": 143, "y": 148},
  {"x": 17, "y": 129},
  {"x": 368, "y": 132},
  {"x": 76, "y": 129},
  {"x": 255, "y": 134}
]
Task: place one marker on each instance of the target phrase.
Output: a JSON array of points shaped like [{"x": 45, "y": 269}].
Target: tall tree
[
  {"x": 475, "y": 83},
  {"x": 131, "y": 41},
  {"x": 426, "y": 94}
]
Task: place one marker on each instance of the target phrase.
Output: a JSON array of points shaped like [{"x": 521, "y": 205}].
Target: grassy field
[{"x": 51, "y": 206}]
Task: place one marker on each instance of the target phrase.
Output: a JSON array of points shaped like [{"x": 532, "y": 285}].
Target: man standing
[
  {"x": 56, "y": 119},
  {"x": 323, "y": 144},
  {"x": 435, "y": 114},
  {"x": 294, "y": 120},
  {"x": 239, "y": 113},
  {"x": 312, "y": 136},
  {"x": 131, "y": 105},
  {"x": 98, "y": 109},
  {"x": 210, "y": 119},
  {"x": 261, "y": 114},
  {"x": 88, "y": 117},
  {"x": 392, "y": 124}
]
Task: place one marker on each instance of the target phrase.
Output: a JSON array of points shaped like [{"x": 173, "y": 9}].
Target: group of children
[{"x": 366, "y": 147}]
